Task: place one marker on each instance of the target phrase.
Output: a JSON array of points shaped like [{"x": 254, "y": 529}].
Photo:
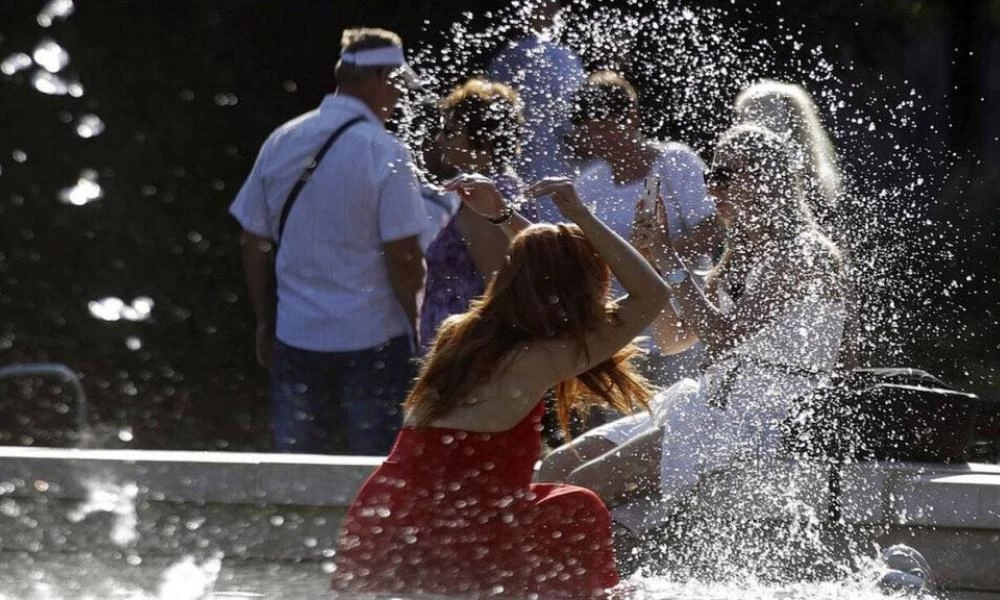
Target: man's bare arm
[
  {"x": 258, "y": 269},
  {"x": 405, "y": 262}
]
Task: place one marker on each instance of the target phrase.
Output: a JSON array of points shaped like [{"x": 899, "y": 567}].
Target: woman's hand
[
  {"x": 479, "y": 193},
  {"x": 563, "y": 194},
  {"x": 644, "y": 233},
  {"x": 650, "y": 232}
]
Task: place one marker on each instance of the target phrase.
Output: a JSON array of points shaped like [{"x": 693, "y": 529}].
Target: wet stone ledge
[
  {"x": 289, "y": 507},
  {"x": 162, "y": 503}
]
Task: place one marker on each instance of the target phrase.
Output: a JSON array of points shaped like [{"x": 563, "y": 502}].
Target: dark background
[{"x": 172, "y": 158}]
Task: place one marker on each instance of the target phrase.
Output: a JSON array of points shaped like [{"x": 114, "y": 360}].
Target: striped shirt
[{"x": 333, "y": 286}]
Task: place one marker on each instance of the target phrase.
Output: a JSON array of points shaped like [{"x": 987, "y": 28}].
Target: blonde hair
[
  {"x": 789, "y": 111},
  {"x": 364, "y": 38}
]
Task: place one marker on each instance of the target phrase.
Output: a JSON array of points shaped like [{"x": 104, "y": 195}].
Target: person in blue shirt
[
  {"x": 546, "y": 74},
  {"x": 336, "y": 301}
]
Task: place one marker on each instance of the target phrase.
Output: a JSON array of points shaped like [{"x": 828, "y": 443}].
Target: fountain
[{"x": 83, "y": 522}]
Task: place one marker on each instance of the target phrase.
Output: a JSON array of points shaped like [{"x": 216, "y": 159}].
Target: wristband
[{"x": 505, "y": 217}]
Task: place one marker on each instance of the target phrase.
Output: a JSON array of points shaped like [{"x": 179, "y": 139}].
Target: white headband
[{"x": 386, "y": 56}]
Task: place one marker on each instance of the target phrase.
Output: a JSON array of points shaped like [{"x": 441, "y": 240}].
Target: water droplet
[
  {"x": 89, "y": 126},
  {"x": 18, "y": 61},
  {"x": 50, "y": 56},
  {"x": 86, "y": 190},
  {"x": 54, "y": 9}
]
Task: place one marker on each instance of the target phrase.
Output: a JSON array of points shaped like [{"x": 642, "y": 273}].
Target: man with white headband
[{"x": 331, "y": 215}]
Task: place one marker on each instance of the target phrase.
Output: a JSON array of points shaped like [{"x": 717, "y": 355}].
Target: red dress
[{"x": 454, "y": 512}]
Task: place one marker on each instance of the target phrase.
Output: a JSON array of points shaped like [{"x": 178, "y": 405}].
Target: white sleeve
[
  {"x": 250, "y": 206},
  {"x": 440, "y": 206},
  {"x": 401, "y": 211}
]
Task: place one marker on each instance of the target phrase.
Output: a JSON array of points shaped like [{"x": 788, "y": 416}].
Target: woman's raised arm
[{"x": 647, "y": 293}]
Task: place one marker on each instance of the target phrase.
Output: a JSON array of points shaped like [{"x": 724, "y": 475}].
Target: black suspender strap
[{"x": 307, "y": 174}]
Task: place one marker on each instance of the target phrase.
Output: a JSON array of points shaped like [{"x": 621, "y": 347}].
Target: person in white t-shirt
[{"x": 606, "y": 130}]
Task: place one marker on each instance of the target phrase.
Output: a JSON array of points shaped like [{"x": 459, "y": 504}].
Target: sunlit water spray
[{"x": 691, "y": 63}]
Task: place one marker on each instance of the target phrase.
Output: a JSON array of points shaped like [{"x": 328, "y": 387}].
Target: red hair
[{"x": 553, "y": 285}]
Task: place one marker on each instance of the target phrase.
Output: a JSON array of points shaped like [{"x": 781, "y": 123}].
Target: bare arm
[
  {"x": 671, "y": 334},
  {"x": 258, "y": 269},
  {"x": 647, "y": 293},
  {"x": 405, "y": 263},
  {"x": 482, "y": 196},
  {"x": 789, "y": 276},
  {"x": 487, "y": 243}
]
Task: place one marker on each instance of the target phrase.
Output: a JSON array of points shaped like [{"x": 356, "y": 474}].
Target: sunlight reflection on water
[
  {"x": 55, "y": 9},
  {"x": 51, "y": 56},
  {"x": 86, "y": 190},
  {"x": 115, "y": 309}
]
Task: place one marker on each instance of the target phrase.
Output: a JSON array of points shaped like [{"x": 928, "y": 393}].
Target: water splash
[
  {"x": 86, "y": 190},
  {"x": 691, "y": 62},
  {"x": 188, "y": 580},
  {"x": 117, "y": 499},
  {"x": 113, "y": 308},
  {"x": 50, "y": 56},
  {"x": 55, "y": 10}
]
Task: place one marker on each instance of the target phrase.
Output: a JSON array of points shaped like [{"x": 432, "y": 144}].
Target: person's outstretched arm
[
  {"x": 481, "y": 195},
  {"x": 671, "y": 334},
  {"x": 790, "y": 276},
  {"x": 647, "y": 293}
]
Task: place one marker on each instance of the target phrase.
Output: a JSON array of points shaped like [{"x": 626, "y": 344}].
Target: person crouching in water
[{"x": 452, "y": 510}]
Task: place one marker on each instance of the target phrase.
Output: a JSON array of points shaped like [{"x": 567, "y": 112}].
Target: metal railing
[{"x": 59, "y": 372}]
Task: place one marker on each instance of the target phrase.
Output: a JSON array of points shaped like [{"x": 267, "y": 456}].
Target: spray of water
[
  {"x": 116, "y": 499},
  {"x": 692, "y": 62}
]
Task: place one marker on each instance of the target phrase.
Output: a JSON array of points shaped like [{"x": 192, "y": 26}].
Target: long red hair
[{"x": 553, "y": 285}]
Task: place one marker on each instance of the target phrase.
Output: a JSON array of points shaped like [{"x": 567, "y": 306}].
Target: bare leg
[
  {"x": 628, "y": 471},
  {"x": 562, "y": 461}
]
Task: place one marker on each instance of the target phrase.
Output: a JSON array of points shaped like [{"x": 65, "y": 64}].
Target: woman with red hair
[{"x": 452, "y": 510}]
